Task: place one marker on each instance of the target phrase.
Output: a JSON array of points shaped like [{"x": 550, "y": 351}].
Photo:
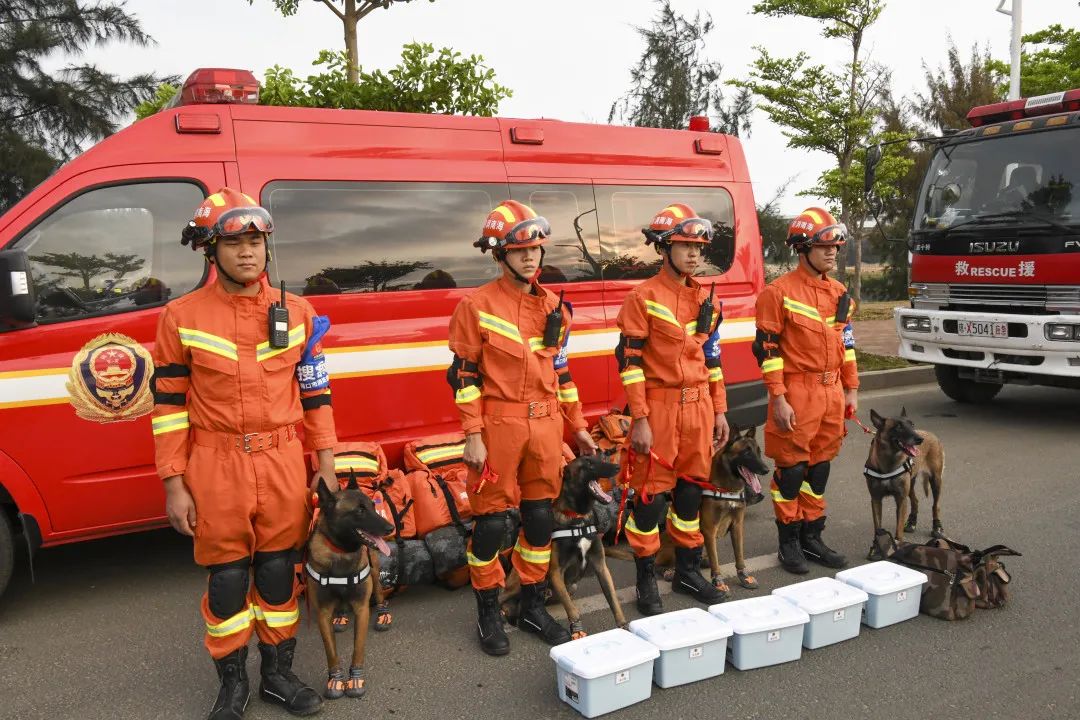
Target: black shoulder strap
[{"x": 448, "y": 497}]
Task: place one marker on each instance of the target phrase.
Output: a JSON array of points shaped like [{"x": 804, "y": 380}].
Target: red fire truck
[
  {"x": 995, "y": 271},
  {"x": 375, "y": 213}
]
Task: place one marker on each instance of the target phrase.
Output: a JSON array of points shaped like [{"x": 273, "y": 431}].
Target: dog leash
[
  {"x": 849, "y": 414},
  {"x": 486, "y": 474},
  {"x": 646, "y": 497}
]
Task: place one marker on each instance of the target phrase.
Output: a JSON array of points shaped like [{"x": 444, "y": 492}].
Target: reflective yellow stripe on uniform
[
  {"x": 716, "y": 374},
  {"x": 441, "y": 453},
  {"x": 239, "y": 621},
  {"x": 263, "y": 351},
  {"x": 276, "y": 618},
  {"x": 691, "y": 327},
  {"x": 568, "y": 395},
  {"x": 477, "y": 562},
  {"x": 536, "y": 344},
  {"x": 801, "y": 309},
  {"x": 357, "y": 463},
  {"x": 497, "y": 325},
  {"x": 631, "y": 526},
  {"x": 772, "y": 365},
  {"x": 809, "y": 491},
  {"x": 849, "y": 355},
  {"x": 467, "y": 394},
  {"x": 536, "y": 557},
  {"x": 661, "y": 311},
  {"x": 170, "y": 422},
  {"x": 206, "y": 341},
  {"x": 632, "y": 375},
  {"x": 685, "y": 525},
  {"x": 777, "y": 496}
]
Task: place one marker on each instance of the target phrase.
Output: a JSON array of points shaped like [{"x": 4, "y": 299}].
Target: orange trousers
[
  {"x": 818, "y": 433},
  {"x": 247, "y": 502},
  {"x": 682, "y": 436},
  {"x": 526, "y": 454}
]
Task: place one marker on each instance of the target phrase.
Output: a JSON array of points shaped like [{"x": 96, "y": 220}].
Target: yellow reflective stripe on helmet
[
  {"x": 568, "y": 395},
  {"x": 238, "y": 622},
  {"x": 716, "y": 374},
  {"x": 807, "y": 490},
  {"x": 772, "y": 365},
  {"x": 684, "y": 525},
  {"x": 467, "y": 394},
  {"x": 356, "y": 462},
  {"x": 815, "y": 215},
  {"x": 477, "y": 562},
  {"x": 632, "y": 375},
  {"x": 170, "y": 422},
  {"x": 631, "y": 526},
  {"x": 536, "y": 557},
  {"x": 849, "y": 355},
  {"x": 777, "y": 496},
  {"x": 507, "y": 214},
  {"x": 661, "y": 311},
  {"x": 206, "y": 341},
  {"x": 674, "y": 210},
  {"x": 217, "y": 200},
  {"x": 441, "y": 453},
  {"x": 263, "y": 351},
  {"x": 276, "y": 618},
  {"x": 497, "y": 325},
  {"x": 801, "y": 309}
]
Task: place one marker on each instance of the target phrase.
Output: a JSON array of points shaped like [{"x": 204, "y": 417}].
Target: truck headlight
[
  {"x": 1060, "y": 331},
  {"x": 917, "y": 291},
  {"x": 914, "y": 323}
]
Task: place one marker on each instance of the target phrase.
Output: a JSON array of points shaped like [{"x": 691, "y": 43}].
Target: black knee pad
[
  {"x": 227, "y": 588},
  {"x": 537, "y": 521},
  {"x": 790, "y": 479},
  {"x": 647, "y": 516},
  {"x": 818, "y": 476},
  {"x": 274, "y": 576},
  {"x": 487, "y": 535},
  {"x": 686, "y": 499}
]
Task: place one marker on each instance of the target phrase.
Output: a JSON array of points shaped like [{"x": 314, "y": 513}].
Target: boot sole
[
  {"x": 681, "y": 589},
  {"x": 496, "y": 652},
  {"x": 650, "y": 611},
  {"x": 273, "y": 699}
]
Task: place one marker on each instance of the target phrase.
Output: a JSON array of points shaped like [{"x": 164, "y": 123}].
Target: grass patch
[
  {"x": 878, "y": 310},
  {"x": 868, "y": 362}
]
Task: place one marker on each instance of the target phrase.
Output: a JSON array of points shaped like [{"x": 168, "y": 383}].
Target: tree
[
  {"x": 47, "y": 116},
  {"x": 774, "y": 229},
  {"x": 673, "y": 80},
  {"x": 1052, "y": 66},
  {"x": 349, "y": 12},
  {"x": 164, "y": 93},
  {"x": 375, "y": 276},
  {"x": 953, "y": 89},
  {"x": 822, "y": 109},
  {"x": 88, "y": 267}
]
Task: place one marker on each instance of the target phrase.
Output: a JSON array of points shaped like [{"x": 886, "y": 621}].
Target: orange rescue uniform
[
  {"x": 227, "y": 406},
  {"x": 666, "y": 379},
  {"x": 509, "y": 390},
  {"x": 811, "y": 362}
]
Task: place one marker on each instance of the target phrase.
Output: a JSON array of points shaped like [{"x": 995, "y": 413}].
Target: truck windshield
[{"x": 1022, "y": 177}]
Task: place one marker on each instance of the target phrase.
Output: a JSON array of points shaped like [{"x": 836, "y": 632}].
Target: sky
[{"x": 570, "y": 59}]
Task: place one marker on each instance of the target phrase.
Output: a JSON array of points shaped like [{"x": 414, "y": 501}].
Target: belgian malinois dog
[
  {"x": 342, "y": 569},
  {"x": 899, "y": 457},
  {"x": 576, "y": 543}
]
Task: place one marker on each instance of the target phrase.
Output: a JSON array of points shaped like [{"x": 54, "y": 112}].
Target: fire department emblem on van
[{"x": 110, "y": 379}]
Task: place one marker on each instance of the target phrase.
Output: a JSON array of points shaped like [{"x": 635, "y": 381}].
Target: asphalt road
[{"x": 111, "y": 629}]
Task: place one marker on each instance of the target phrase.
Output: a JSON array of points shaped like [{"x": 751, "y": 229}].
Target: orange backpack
[
  {"x": 610, "y": 433},
  {"x": 437, "y": 481}
]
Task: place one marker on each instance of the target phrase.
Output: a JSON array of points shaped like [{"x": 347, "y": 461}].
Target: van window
[
  {"x": 572, "y": 253},
  {"x": 361, "y": 237},
  {"x": 113, "y": 249},
  {"x": 624, "y": 210}
]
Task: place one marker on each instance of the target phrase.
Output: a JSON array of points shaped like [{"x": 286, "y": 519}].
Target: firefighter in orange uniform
[
  {"x": 806, "y": 349},
  {"x": 669, "y": 363},
  {"x": 228, "y": 397},
  {"x": 514, "y": 392}
]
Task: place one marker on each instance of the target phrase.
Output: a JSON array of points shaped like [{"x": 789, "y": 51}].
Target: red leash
[
  {"x": 849, "y": 414},
  {"x": 486, "y": 474},
  {"x": 646, "y": 498}
]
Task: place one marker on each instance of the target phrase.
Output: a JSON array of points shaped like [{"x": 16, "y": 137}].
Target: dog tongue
[
  {"x": 750, "y": 479},
  {"x": 598, "y": 491},
  {"x": 378, "y": 542},
  {"x": 912, "y": 450}
]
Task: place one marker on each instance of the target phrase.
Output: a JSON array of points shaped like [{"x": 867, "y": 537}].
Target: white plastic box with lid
[
  {"x": 604, "y": 672},
  {"x": 835, "y": 610},
  {"x": 894, "y": 590},
  {"x": 767, "y": 631},
  {"x": 692, "y": 645}
]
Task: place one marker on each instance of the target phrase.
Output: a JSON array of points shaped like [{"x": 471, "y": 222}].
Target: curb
[{"x": 896, "y": 377}]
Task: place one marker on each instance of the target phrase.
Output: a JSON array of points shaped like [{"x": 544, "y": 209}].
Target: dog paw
[
  {"x": 341, "y": 621},
  {"x": 354, "y": 686},
  {"x": 720, "y": 585},
  {"x": 668, "y": 574},
  {"x": 335, "y": 684},
  {"x": 747, "y": 580},
  {"x": 874, "y": 554},
  {"x": 384, "y": 619}
]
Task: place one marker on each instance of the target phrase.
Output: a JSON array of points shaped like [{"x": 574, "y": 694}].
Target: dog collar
[
  {"x": 584, "y": 531},
  {"x": 867, "y": 470},
  {"x": 338, "y": 580},
  {"x": 722, "y": 495}
]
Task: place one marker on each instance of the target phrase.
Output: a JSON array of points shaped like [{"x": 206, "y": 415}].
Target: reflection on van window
[
  {"x": 572, "y": 253},
  {"x": 625, "y": 210},
  {"x": 112, "y": 250},
  {"x": 356, "y": 237}
]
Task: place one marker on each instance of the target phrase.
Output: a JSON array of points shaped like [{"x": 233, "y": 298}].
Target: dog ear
[
  {"x": 750, "y": 432},
  {"x": 877, "y": 420},
  {"x": 352, "y": 481},
  {"x": 326, "y": 497},
  {"x": 903, "y": 411}
]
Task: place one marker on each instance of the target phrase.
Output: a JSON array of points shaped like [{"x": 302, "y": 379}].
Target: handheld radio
[
  {"x": 704, "y": 316},
  {"x": 554, "y": 324},
  {"x": 279, "y": 322}
]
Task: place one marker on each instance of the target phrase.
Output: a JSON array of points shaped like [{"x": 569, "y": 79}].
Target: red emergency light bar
[
  {"x": 1025, "y": 107},
  {"x": 220, "y": 85}
]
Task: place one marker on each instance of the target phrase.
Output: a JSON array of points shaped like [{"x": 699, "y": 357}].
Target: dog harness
[
  {"x": 906, "y": 467},
  {"x": 334, "y": 580},
  {"x": 581, "y": 531},
  {"x": 722, "y": 495}
]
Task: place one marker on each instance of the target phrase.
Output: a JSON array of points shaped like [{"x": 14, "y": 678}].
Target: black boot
[
  {"x": 791, "y": 555},
  {"x": 234, "y": 693},
  {"x": 688, "y": 579},
  {"x": 648, "y": 595},
  {"x": 533, "y": 617},
  {"x": 813, "y": 547},
  {"x": 280, "y": 685},
  {"x": 489, "y": 622}
]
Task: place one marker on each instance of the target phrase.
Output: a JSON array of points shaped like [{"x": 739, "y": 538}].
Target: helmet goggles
[
  {"x": 525, "y": 233},
  {"x": 694, "y": 228},
  {"x": 241, "y": 220}
]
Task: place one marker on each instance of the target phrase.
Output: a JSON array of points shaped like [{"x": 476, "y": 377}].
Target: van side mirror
[
  {"x": 873, "y": 157},
  {"x": 18, "y": 307}
]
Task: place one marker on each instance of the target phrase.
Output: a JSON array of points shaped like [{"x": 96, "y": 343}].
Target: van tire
[
  {"x": 7, "y": 549},
  {"x": 961, "y": 390}
]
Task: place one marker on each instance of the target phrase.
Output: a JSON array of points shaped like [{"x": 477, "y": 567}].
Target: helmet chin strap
[
  {"x": 230, "y": 278},
  {"x": 501, "y": 257},
  {"x": 666, "y": 248},
  {"x": 811, "y": 264}
]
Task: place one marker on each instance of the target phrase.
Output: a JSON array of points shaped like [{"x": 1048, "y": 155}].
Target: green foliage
[
  {"x": 1051, "y": 66},
  {"x": 842, "y": 18},
  {"x": 164, "y": 93},
  {"x": 425, "y": 81},
  {"x": 673, "y": 80},
  {"x": 954, "y": 89}
]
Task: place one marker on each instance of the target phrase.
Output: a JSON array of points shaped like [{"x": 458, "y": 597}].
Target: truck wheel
[
  {"x": 7, "y": 550},
  {"x": 964, "y": 391}
]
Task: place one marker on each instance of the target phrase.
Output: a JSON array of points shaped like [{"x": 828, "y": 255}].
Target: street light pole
[{"x": 1016, "y": 13}]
